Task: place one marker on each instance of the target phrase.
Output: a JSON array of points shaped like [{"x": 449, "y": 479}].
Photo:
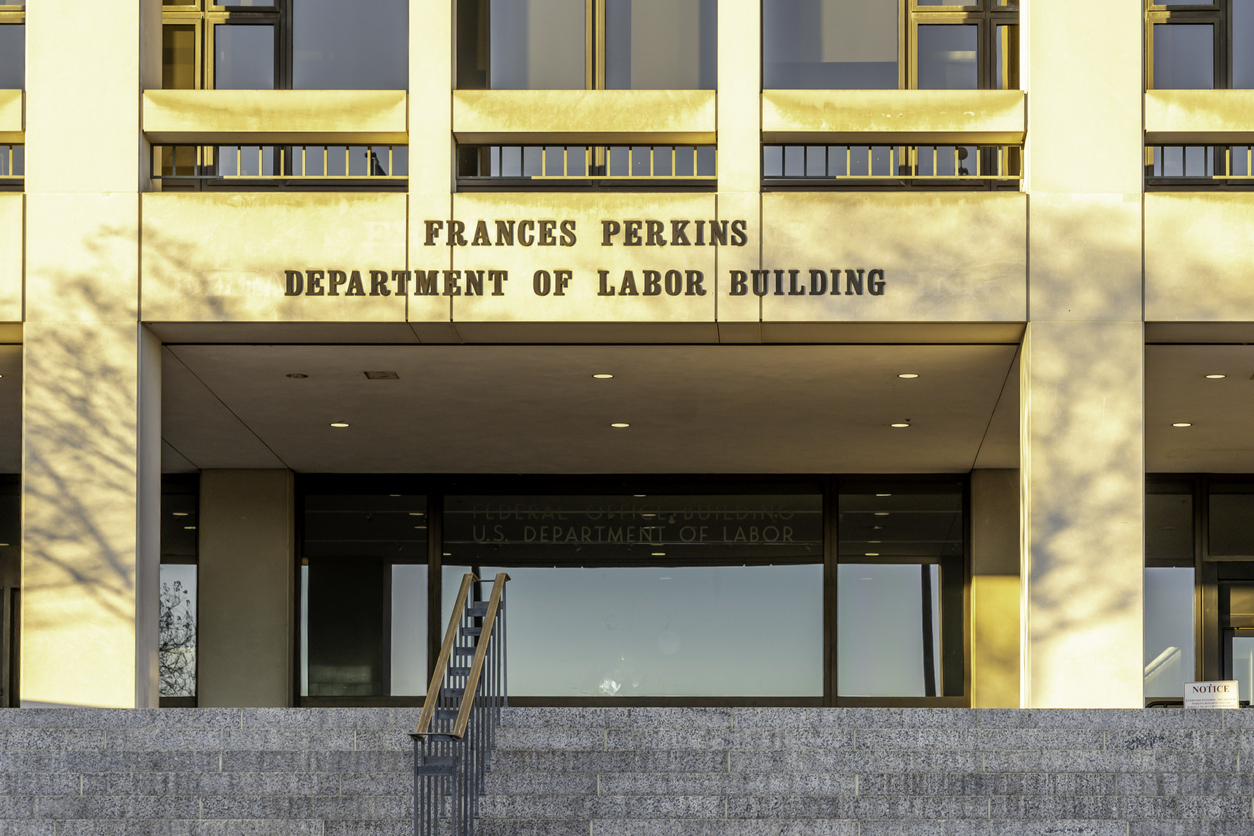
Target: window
[
  {"x": 1168, "y": 589},
  {"x": 890, "y": 44},
  {"x": 363, "y": 596},
  {"x": 651, "y": 596},
  {"x": 901, "y": 577},
  {"x": 1200, "y": 45},
  {"x": 10, "y": 587},
  {"x": 587, "y": 44},
  {"x": 285, "y": 44},
  {"x": 178, "y": 617},
  {"x": 814, "y": 591},
  {"x": 12, "y": 45}
]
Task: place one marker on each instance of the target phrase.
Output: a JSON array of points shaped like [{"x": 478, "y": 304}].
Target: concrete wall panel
[
  {"x": 581, "y": 300},
  {"x": 222, "y": 257},
  {"x": 945, "y": 257},
  {"x": 1197, "y": 257},
  {"x": 12, "y": 235}
]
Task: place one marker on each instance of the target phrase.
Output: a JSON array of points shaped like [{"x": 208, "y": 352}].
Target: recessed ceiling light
[
  {"x": 448, "y": 554},
  {"x": 415, "y": 513},
  {"x": 899, "y": 426},
  {"x": 189, "y": 528},
  {"x": 872, "y": 554},
  {"x": 3, "y": 544},
  {"x": 393, "y": 494},
  {"x": 659, "y": 554},
  {"x": 876, "y": 542},
  {"x": 907, "y": 376},
  {"x": 603, "y": 376},
  {"x": 180, "y": 513},
  {"x": 620, "y": 426},
  {"x": 1182, "y": 424},
  {"x": 639, "y": 495},
  {"x": 881, "y": 513},
  {"x": 883, "y": 494},
  {"x": 298, "y": 376},
  {"x": 1216, "y": 376},
  {"x": 339, "y": 425}
]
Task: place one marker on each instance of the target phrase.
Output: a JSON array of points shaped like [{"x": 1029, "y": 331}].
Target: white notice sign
[{"x": 1211, "y": 695}]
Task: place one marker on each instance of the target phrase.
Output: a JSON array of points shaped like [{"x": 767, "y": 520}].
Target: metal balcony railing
[
  {"x": 1167, "y": 165},
  {"x": 893, "y": 165},
  {"x": 457, "y": 728},
  {"x": 12, "y": 162},
  {"x": 658, "y": 163},
  {"x": 308, "y": 163}
]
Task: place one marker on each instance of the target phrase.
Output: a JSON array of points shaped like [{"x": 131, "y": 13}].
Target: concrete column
[
  {"x": 91, "y": 387},
  {"x": 247, "y": 591},
  {"x": 740, "y": 158},
  {"x": 1082, "y": 371},
  {"x": 995, "y": 589}
]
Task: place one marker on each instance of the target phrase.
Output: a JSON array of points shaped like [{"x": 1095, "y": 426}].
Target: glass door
[{"x": 1236, "y": 615}]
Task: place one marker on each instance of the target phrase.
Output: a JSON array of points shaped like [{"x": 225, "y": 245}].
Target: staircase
[{"x": 869, "y": 772}]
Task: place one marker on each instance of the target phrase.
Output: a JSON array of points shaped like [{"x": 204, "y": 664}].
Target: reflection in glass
[
  {"x": 829, "y": 44},
  {"x": 947, "y": 57},
  {"x": 178, "y": 57},
  {"x": 243, "y": 57},
  {"x": 365, "y": 50},
  {"x": 176, "y": 655},
  {"x": 754, "y": 631},
  {"x": 661, "y": 44},
  {"x": 12, "y": 56},
  {"x": 894, "y": 521},
  {"x": 1242, "y": 37},
  {"x": 1168, "y": 631},
  {"x": 888, "y": 630},
  {"x": 632, "y": 530},
  {"x": 1169, "y": 523},
  {"x": 1184, "y": 56},
  {"x": 1243, "y": 666},
  {"x": 1231, "y": 519},
  {"x": 537, "y": 45},
  {"x": 409, "y": 629}
]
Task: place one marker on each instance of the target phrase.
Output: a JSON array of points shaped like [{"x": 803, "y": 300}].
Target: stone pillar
[
  {"x": 91, "y": 380},
  {"x": 1083, "y": 370},
  {"x": 246, "y": 642},
  {"x": 994, "y": 589}
]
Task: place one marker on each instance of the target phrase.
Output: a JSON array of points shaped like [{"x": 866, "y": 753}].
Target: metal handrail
[
  {"x": 446, "y": 652},
  {"x": 452, "y": 749}
]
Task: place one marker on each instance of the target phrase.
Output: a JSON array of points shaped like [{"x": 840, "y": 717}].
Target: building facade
[{"x": 804, "y": 352}]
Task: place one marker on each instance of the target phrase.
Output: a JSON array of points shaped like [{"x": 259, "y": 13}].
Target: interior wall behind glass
[
  {"x": 243, "y": 57},
  {"x": 537, "y": 45},
  {"x": 350, "y": 46},
  {"x": 829, "y": 44},
  {"x": 12, "y": 56},
  {"x": 644, "y": 631},
  {"x": 661, "y": 44}
]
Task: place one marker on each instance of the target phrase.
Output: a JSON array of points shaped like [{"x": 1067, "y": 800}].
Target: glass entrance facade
[{"x": 818, "y": 591}]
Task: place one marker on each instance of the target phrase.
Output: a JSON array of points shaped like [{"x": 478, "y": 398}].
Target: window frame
[
  {"x": 986, "y": 15},
  {"x": 206, "y": 16},
  {"x": 1218, "y": 14},
  {"x": 479, "y": 33}
]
